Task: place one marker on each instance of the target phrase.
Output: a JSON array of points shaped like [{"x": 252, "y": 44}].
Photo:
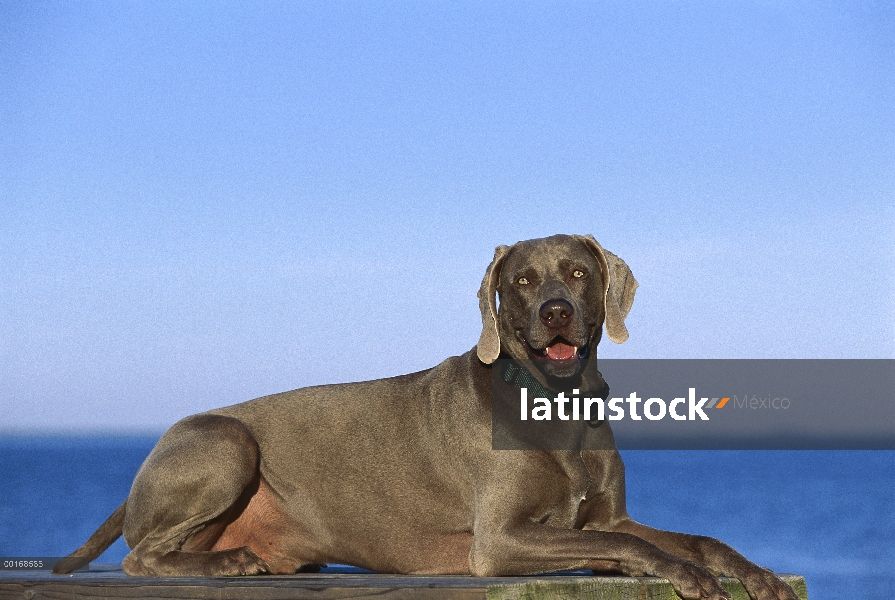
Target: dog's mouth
[{"x": 559, "y": 350}]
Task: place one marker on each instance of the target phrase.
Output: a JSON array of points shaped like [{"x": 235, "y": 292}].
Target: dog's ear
[
  {"x": 488, "y": 348},
  {"x": 619, "y": 287}
]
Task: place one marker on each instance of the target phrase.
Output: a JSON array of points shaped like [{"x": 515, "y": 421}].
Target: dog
[{"x": 398, "y": 475}]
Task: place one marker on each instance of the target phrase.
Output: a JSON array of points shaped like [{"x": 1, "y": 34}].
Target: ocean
[{"x": 827, "y": 515}]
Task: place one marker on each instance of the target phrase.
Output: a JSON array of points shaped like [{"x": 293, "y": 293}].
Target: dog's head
[{"x": 555, "y": 295}]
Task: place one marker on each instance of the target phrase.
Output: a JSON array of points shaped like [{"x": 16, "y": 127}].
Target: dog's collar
[{"x": 517, "y": 375}]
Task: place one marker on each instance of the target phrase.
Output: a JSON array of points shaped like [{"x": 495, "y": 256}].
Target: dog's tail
[{"x": 101, "y": 539}]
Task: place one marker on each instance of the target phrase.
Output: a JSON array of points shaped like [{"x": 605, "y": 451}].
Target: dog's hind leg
[{"x": 202, "y": 470}]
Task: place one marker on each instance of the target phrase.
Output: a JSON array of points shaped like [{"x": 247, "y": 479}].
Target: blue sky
[{"x": 205, "y": 203}]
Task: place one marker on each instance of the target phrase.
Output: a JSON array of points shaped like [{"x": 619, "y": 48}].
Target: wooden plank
[
  {"x": 615, "y": 588},
  {"x": 103, "y": 582}
]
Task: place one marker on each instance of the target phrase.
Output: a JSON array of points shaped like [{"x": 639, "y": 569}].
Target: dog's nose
[{"x": 556, "y": 313}]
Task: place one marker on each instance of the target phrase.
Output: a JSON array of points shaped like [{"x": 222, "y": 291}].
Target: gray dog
[{"x": 398, "y": 475}]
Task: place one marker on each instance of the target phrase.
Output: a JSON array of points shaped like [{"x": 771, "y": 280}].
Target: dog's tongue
[{"x": 560, "y": 351}]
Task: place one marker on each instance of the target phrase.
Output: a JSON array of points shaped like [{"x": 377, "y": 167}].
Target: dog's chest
[{"x": 576, "y": 480}]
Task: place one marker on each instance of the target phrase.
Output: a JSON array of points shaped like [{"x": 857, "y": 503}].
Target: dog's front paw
[
  {"x": 763, "y": 584},
  {"x": 692, "y": 581},
  {"x": 240, "y": 561}
]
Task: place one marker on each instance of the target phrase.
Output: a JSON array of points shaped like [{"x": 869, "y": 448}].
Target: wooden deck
[{"x": 107, "y": 581}]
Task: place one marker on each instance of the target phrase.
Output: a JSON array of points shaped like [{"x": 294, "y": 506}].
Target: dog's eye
[
  {"x": 522, "y": 281},
  {"x": 577, "y": 273}
]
